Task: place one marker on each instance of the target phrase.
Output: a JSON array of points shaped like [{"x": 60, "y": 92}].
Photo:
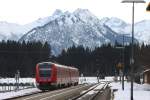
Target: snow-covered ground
[
  {"x": 21, "y": 80},
  {"x": 94, "y": 79},
  {"x": 141, "y": 92},
  {"x": 7, "y": 95}
]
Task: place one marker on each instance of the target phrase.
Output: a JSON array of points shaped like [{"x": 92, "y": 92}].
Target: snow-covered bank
[
  {"x": 94, "y": 79},
  {"x": 9, "y": 84},
  {"x": 140, "y": 91},
  {"x": 7, "y": 95},
  {"x": 21, "y": 80}
]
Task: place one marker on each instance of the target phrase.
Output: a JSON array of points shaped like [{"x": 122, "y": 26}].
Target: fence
[{"x": 7, "y": 87}]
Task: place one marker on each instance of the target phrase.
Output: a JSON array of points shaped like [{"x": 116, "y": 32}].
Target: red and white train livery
[{"x": 50, "y": 75}]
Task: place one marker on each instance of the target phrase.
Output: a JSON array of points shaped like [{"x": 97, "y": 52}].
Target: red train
[{"x": 49, "y": 75}]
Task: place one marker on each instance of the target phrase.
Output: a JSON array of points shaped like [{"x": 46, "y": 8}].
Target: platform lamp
[
  {"x": 122, "y": 67},
  {"x": 132, "y": 49}
]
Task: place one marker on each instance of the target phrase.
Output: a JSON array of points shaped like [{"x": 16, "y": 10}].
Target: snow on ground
[
  {"x": 87, "y": 80},
  {"x": 21, "y": 80},
  {"x": 94, "y": 79},
  {"x": 7, "y": 95},
  {"x": 140, "y": 91}
]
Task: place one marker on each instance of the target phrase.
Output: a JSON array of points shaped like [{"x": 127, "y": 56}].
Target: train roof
[{"x": 59, "y": 65}]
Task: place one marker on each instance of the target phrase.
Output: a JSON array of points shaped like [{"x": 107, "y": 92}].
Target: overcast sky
[{"x": 26, "y": 11}]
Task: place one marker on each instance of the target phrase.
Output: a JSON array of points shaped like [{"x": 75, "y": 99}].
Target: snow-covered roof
[{"x": 146, "y": 70}]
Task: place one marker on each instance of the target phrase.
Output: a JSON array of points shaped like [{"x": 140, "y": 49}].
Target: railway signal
[{"x": 120, "y": 66}]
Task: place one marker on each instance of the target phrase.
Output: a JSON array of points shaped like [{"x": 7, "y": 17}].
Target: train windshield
[{"x": 45, "y": 70}]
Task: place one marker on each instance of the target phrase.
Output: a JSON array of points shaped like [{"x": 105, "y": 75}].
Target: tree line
[
  {"x": 102, "y": 61},
  {"x": 21, "y": 56}
]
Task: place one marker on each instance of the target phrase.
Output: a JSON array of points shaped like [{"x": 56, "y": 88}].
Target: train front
[{"x": 43, "y": 76}]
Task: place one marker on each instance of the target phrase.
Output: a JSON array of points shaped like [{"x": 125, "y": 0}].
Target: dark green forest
[
  {"x": 100, "y": 60},
  {"x": 21, "y": 56}
]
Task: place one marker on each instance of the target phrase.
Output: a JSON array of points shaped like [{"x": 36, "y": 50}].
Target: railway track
[
  {"x": 92, "y": 93},
  {"x": 61, "y": 94},
  {"x": 89, "y": 92}
]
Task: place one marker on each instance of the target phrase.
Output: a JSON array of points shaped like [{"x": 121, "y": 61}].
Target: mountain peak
[
  {"x": 83, "y": 12},
  {"x": 79, "y": 10},
  {"x": 85, "y": 15},
  {"x": 57, "y": 12}
]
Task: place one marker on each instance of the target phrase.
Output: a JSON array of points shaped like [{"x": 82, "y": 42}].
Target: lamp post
[
  {"x": 132, "y": 49},
  {"x": 123, "y": 53}
]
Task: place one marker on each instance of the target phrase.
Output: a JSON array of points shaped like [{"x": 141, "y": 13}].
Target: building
[{"x": 146, "y": 74}]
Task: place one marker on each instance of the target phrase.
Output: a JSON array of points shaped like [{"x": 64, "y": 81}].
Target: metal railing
[{"x": 7, "y": 87}]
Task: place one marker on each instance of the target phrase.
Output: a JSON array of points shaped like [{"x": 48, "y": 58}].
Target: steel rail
[
  {"x": 100, "y": 91},
  {"x": 41, "y": 93},
  {"x": 93, "y": 97}
]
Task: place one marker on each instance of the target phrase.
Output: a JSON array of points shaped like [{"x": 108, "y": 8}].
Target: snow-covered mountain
[
  {"x": 14, "y": 31},
  {"x": 141, "y": 29},
  {"x": 115, "y": 24},
  {"x": 9, "y": 30},
  {"x": 78, "y": 28},
  {"x": 81, "y": 27}
]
